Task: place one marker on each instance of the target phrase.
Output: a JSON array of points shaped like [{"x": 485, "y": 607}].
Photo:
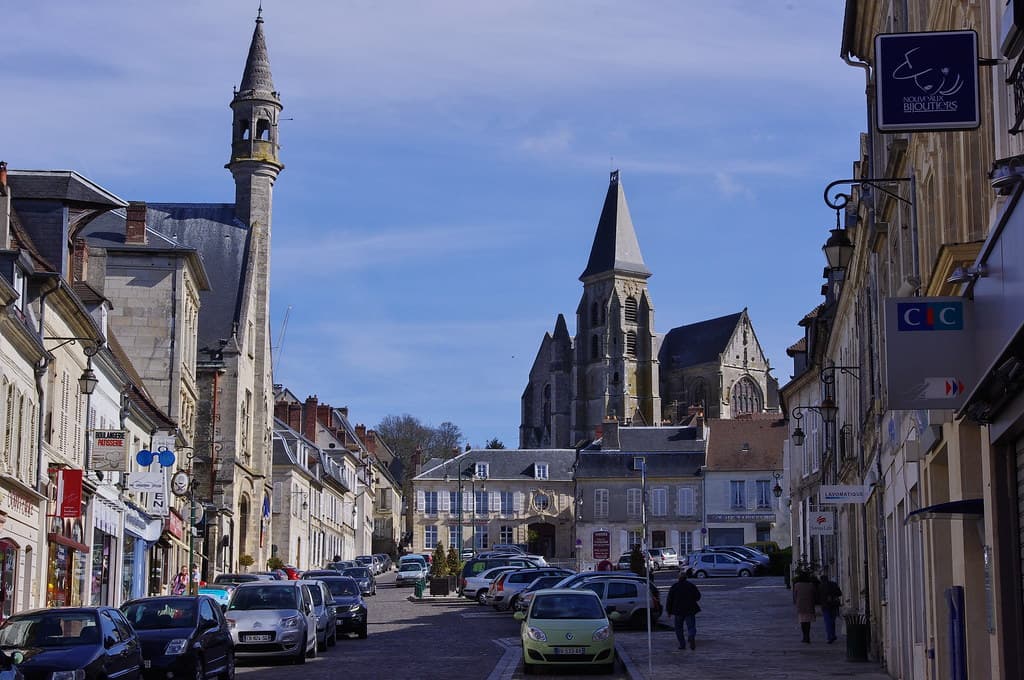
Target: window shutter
[
  {"x": 495, "y": 501},
  {"x": 685, "y": 501},
  {"x": 421, "y": 501},
  {"x": 623, "y": 542},
  {"x": 445, "y": 499},
  {"x": 517, "y": 502},
  {"x": 278, "y": 494},
  {"x": 673, "y": 541},
  {"x": 468, "y": 506}
]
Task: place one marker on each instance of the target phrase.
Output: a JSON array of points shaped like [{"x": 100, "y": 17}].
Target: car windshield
[
  {"x": 50, "y": 629},
  {"x": 357, "y": 572},
  {"x": 411, "y": 566},
  {"x": 264, "y": 597},
  {"x": 344, "y": 588},
  {"x": 234, "y": 579},
  {"x": 157, "y": 614},
  {"x": 566, "y": 606}
]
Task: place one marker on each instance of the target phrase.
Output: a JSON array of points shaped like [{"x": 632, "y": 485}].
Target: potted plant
[
  {"x": 454, "y": 568},
  {"x": 439, "y": 584},
  {"x": 245, "y": 561}
]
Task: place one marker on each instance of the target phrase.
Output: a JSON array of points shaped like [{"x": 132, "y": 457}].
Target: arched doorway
[
  {"x": 541, "y": 539},
  {"x": 243, "y": 525}
]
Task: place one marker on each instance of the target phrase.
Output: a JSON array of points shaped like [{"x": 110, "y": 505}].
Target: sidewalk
[{"x": 750, "y": 632}]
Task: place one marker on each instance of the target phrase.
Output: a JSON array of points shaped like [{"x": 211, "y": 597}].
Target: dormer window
[
  {"x": 540, "y": 470},
  {"x": 481, "y": 470}
]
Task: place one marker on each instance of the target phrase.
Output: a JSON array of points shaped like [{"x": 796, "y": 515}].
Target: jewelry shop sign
[{"x": 927, "y": 81}]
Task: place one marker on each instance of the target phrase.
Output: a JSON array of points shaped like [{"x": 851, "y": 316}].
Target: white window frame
[
  {"x": 540, "y": 470},
  {"x": 481, "y": 503},
  {"x": 685, "y": 543},
  {"x": 737, "y": 494},
  {"x": 659, "y": 502},
  {"x": 507, "y": 505},
  {"x": 600, "y": 502},
  {"x": 480, "y": 538},
  {"x": 634, "y": 537},
  {"x": 505, "y": 534},
  {"x": 430, "y": 537},
  {"x": 764, "y": 493},
  {"x": 634, "y": 502},
  {"x": 427, "y": 496},
  {"x": 481, "y": 470},
  {"x": 685, "y": 499}
]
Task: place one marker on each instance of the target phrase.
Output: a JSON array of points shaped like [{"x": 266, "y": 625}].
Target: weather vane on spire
[{"x": 259, "y": 12}]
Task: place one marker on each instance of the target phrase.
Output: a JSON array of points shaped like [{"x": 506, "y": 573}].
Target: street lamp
[
  {"x": 827, "y": 410},
  {"x": 458, "y": 499},
  {"x": 777, "y": 489},
  {"x": 838, "y": 248}
]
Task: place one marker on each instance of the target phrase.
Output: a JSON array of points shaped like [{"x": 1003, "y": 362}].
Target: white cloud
[{"x": 730, "y": 188}]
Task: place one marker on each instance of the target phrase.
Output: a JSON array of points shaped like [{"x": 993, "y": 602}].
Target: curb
[
  {"x": 437, "y": 600},
  {"x": 632, "y": 670}
]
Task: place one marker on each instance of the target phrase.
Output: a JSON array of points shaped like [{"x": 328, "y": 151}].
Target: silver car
[
  {"x": 410, "y": 572},
  {"x": 704, "y": 564},
  {"x": 273, "y": 618}
]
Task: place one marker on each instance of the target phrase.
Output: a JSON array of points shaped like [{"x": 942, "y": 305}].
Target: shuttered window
[
  {"x": 685, "y": 501},
  {"x": 600, "y": 502}
]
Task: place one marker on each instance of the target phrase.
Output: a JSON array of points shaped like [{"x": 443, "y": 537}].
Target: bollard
[{"x": 420, "y": 585}]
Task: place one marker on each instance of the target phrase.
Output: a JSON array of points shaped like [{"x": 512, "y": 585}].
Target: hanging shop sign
[
  {"x": 146, "y": 482},
  {"x": 158, "y": 502},
  {"x": 68, "y": 498},
  {"x": 821, "y": 523},
  {"x": 109, "y": 451},
  {"x": 929, "y": 350},
  {"x": 832, "y": 494},
  {"x": 927, "y": 81}
]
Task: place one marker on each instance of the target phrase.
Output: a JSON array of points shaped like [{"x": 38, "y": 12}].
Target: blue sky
[{"x": 447, "y": 162}]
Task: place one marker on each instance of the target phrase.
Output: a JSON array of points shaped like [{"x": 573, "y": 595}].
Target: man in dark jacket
[
  {"x": 830, "y": 597},
  {"x": 682, "y": 604}
]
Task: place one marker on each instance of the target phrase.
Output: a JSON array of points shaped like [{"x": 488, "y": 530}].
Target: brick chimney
[
  {"x": 309, "y": 414},
  {"x": 294, "y": 419},
  {"x": 416, "y": 461},
  {"x": 610, "y": 438},
  {"x": 79, "y": 260},
  {"x": 135, "y": 224},
  {"x": 281, "y": 410}
]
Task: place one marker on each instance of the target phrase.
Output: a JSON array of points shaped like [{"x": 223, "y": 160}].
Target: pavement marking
[{"x": 506, "y": 667}]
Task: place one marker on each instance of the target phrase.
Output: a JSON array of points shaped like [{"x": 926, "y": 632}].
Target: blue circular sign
[
  {"x": 166, "y": 458},
  {"x": 144, "y": 458}
]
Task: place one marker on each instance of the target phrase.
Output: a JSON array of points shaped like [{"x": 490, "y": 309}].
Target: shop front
[
  {"x": 170, "y": 554},
  {"x": 67, "y": 563},
  {"x": 141, "y": 533},
  {"x": 105, "y": 553},
  {"x": 20, "y": 511}
]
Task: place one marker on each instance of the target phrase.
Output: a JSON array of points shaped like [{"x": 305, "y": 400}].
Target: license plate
[
  {"x": 259, "y": 637},
  {"x": 570, "y": 650},
  {"x": 146, "y": 663}
]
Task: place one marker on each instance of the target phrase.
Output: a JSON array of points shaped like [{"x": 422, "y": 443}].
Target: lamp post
[{"x": 458, "y": 500}]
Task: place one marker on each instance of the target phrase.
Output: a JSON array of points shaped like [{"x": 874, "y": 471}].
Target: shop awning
[{"x": 969, "y": 508}]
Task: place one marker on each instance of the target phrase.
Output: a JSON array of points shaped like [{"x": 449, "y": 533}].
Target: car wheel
[
  {"x": 702, "y": 574},
  {"x": 362, "y": 632},
  {"x": 743, "y": 573},
  {"x": 513, "y": 603},
  {"x": 480, "y": 595},
  {"x": 321, "y": 646},
  {"x": 229, "y": 669},
  {"x": 198, "y": 671},
  {"x": 300, "y": 656},
  {"x": 333, "y": 640}
]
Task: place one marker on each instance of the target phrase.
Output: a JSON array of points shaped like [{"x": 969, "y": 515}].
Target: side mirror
[
  {"x": 17, "y": 658},
  {"x": 614, "y": 616},
  {"x": 519, "y": 616}
]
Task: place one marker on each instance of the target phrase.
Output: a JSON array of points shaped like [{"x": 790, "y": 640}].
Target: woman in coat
[{"x": 805, "y": 593}]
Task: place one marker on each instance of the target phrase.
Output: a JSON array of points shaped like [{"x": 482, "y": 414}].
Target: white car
[
  {"x": 477, "y": 585},
  {"x": 664, "y": 558},
  {"x": 410, "y": 572}
]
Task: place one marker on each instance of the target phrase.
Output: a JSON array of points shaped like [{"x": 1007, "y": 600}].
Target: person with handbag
[{"x": 830, "y": 596}]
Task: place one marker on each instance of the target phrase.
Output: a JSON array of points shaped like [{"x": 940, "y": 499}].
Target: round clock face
[{"x": 179, "y": 483}]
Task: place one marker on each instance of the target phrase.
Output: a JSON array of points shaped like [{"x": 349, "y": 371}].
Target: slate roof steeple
[
  {"x": 615, "y": 248},
  {"x": 256, "y": 77}
]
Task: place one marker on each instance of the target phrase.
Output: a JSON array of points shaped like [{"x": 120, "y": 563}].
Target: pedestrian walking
[
  {"x": 682, "y": 604},
  {"x": 180, "y": 581},
  {"x": 831, "y": 598},
  {"x": 805, "y": 596}
]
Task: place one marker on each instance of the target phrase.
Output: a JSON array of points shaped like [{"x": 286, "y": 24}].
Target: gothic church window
[
  {"x": 631, "y": 309},
  {"x": 746, "y": 398},
  {"x": 631, "y": 344}
]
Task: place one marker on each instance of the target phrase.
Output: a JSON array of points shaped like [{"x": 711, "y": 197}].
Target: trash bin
[
  {"x": 420, "y": 585},
  {"x": 858, "y": 637}
]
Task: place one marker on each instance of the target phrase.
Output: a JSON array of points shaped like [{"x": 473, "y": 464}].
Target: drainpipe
[{"x": 40, "y": 371}]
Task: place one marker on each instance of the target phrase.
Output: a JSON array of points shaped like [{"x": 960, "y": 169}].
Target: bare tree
[{"x": 447, "y": 437}]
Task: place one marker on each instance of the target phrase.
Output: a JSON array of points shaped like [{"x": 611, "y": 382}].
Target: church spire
[
  {"x": 256, "y": 77},
  {"x": 615, "y": 248}
]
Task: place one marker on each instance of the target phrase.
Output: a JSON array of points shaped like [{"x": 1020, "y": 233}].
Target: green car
[{"x": 567, "y": 627}]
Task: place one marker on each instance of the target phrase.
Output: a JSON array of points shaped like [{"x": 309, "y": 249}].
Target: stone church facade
[{"x": 617, "y": 365}]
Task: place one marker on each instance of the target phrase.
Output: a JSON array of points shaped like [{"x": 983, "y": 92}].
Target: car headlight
[
  {"x": 176, "y": 646},
  {"x": 290, "y": 622},
  {"x": 602, "y": 633},
  {"x": 355, "y": 608},
  {"x": 77, "y": 674},
  {"x": 231, "y": 624},
  {"x": 536, "y": 634}
]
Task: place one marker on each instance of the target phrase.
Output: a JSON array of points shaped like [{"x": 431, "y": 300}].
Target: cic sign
[
  {"x": 927, "y": 81},
  {"x": 929, "y": 352}
]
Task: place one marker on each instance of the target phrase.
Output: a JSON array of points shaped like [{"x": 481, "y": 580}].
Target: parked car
[
  {"x": 704, "y": 564},
  {"x": 767, "y": 547},
  {"x": 293, "y": 572},
  {"x": 413, "y": 558},
  {"x": 317, "y": 573},
  {"x": 481, "y": 564},
  {"x": 525, "y": 596},
  {"x": 626, "y": 596},
  {"x": 219, "y": 593},
  {"x": 505, "y": 589},
  {"x": 182, "y": 637},
  {"x": 664, "y": 558},
  {"x": 509, "y": 548},
  {"x": 410, "y": 572},
  {"x": 273, "y": 618},
  {"x": 370, "y": 562},
  {"x": 385, "y": 560},
  {"x": 341, "y": 566},
  {"x": 744, "y": 553},
  {"x": 625, "y": 561},
  {"x": 76, "y": 643},
  {"x": 364, "y": 577},
  {"x": 274, "y": 574},
  {"x": 567, "y": 626},
  {"x": 323, "y": 610},
  {"x": 741, "y": 556},
  {"x": 477, "y": 585},
  {"x": 349, "y": 607}
]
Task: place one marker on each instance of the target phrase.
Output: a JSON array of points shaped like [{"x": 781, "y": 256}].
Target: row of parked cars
[
  {"x": 726, "y": 560},
  {"x": 184, "y": 636}
]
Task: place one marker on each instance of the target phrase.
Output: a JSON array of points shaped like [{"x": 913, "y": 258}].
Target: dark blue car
[
  {"x": 349, "y": 606},
  {"x": 186, "y": 636}
]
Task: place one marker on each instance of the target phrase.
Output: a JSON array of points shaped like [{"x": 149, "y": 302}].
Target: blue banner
[{"x": 927, "y": 81}]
